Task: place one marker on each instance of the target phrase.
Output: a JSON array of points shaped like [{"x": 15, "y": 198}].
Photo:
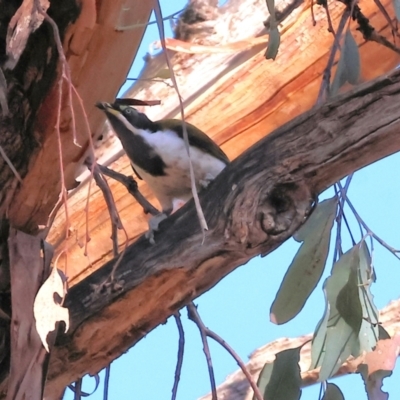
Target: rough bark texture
[
  {"x": 29, "y": 358},
  {"x": 252, "y": 207}
]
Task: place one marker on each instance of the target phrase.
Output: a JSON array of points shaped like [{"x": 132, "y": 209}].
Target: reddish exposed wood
[
  {"x": 92, "y": 47},
  {"x": 236, "y": 109}
]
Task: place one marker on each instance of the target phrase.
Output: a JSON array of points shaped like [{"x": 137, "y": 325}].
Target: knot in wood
[{"x": 260, "y": 216}]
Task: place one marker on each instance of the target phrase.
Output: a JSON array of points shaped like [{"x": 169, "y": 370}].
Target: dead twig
[
  {"x": 326, "y": 76},
  {"x": 132, "y": 188},
  {"x": 181, "y": 348},
  {"x": 204, "y": 331},
  {"x": 195, "y": 317},
  {"x": 159, "y": 19}
]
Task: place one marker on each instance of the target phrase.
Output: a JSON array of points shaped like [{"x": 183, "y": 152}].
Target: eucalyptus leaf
[
  {"x": 319, "y": 339},
  {"x": 264, "y": 377},
  {"x": 281, "y": 380},
  {"x": 333, "y": 392},
  {"x": 271, "y": 8},
  {"x": 348, "y": 302},
  {"x": 369, "y": 331},
  {"x": 307, "y": 267},
  {"x": 340, "y": 77},
  {"x": 349, "y": 65},
  {"x": 274, "y": 41},
  {"x": 333, "y": 345},
  {"x": 351, "y": 56}
]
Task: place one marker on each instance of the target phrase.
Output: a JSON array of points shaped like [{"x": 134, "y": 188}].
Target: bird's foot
[{"x": 154, "y": 222}]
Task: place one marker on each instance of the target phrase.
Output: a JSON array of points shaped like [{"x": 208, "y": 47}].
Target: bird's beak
[
  {"x": 103, "y": 105},
  {"x": 108, "y": 108}
]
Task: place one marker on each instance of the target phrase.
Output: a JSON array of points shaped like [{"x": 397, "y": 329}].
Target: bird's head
[{"x": 128, "y": 116}]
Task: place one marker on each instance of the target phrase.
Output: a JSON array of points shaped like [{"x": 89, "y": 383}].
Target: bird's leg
[{"x": 155, "y": 221}]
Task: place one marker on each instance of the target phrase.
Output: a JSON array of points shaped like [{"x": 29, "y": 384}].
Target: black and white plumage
[{"x": 158, "y": 155}]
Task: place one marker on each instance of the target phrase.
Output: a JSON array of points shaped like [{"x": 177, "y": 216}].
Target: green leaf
[
  {"x": 350, "y": 322},
  {"x": 348, "y": 302},
  {"x": 369, "y": 331},
  {"x": 332, "y": 392},
  {"x": 351, "y": 56},
  {"x": 334, "y": 340},
  {"x": 383, "y": 334},
  {"x": 281, "y": 380},
  {"x": 307, "y": 267},
  {"x": 274, "y": 42},
  {"x": 349, "y": 65},
  {"x": 264, "y": 377},
  {"x": 271, "y": 9}
]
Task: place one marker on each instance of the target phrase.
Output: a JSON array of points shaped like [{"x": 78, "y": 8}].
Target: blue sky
[{"x": 238, "y": 307}]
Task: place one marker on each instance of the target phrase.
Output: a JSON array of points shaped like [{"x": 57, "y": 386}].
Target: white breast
[{"x": 176, "y": 183}]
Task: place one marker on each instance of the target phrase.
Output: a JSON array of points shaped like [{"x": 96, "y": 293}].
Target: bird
[{"x": 158, "y": 155}]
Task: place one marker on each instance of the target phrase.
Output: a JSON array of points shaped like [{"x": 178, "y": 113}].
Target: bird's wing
[
  {"x": 197, "y": 138},
  {"x": 134, "y": 170}
]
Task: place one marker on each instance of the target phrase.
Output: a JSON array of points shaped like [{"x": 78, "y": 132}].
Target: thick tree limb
[{"x": 255, "y": 204}]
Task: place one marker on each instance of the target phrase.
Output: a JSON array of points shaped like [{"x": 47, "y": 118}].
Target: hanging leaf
[
  {"x": 348, "y": 302},
  {"x": 340, "y": 77},
  {"x": 349, "y": 65},
  {"x": 369, "y": 331},
  {"x": 281, "y": 379},
  {"x": 307, "y": 267},
  {"x": 47, "y": 310},
  {"x": 332, "y": 392},
  {"x": 352, "y": 326},
  {"x": 274, "y": 42},
  {"x": 332, "y": 345},
  {"x": 351, "y": 57}
]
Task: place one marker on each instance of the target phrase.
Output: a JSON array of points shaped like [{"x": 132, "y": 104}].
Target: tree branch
[
  {"x": 254, "y": 205},
  {"x": 238, "y": 384}
]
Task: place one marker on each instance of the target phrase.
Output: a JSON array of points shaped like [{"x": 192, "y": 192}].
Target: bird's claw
[{"x": 154, "y": 222}]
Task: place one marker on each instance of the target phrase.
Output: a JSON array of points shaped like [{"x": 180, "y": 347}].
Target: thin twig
[
  {"x": 342, "y": 197},
  {"x": 369, "y": 231},
  {"x": 132, "y": 188},
  {"x": 382, "y": 9},
  {"x": 179, "y": 361},
  {"x": 326, "y": 76},
  {"x": 204, "y": 331},
  {"x": 78, "y": 389},
  {"x": 331, "y": 29},
  {"x": 314, "y": 22},
  {"x": 195, "y": 317},
  {"x": 10, "y": 164},
  {"x": 106, "y": 382},
  {"x": 258, "y": 395},
  {"x": 102, "y": 183},
  {"x": 159, "y": 18}
]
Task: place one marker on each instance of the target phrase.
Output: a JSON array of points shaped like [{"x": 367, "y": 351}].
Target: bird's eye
[{"x": 128, "y": 110}]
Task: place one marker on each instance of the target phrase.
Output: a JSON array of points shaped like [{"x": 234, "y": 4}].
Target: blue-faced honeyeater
[{"x": 158, "y": 155}]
